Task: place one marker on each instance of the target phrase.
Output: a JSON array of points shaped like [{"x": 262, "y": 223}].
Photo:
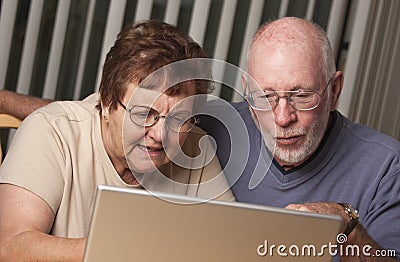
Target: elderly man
[{"x": 320, "y": 158}]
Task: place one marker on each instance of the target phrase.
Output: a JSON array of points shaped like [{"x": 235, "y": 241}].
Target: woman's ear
[{"x": 105, "y": 112}]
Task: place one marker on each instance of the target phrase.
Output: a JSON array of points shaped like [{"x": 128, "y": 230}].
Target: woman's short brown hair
[{"x": 140, "y": 49}]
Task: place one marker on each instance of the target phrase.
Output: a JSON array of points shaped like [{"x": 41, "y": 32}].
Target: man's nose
[{"x": 284, "y": 112}]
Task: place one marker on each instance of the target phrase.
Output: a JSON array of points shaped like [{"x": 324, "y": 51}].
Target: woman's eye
[{"x": 180, "y": 118}]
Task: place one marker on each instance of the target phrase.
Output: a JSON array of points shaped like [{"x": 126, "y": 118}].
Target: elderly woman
[{"x": 124, "y": 136}]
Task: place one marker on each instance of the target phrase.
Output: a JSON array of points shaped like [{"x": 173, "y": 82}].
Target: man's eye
[
  {"x": 302, "y": 95},
  {"x": 269, "y": 96}
]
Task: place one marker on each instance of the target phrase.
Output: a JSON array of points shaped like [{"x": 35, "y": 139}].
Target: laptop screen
[{"x": 135, "y": 225}]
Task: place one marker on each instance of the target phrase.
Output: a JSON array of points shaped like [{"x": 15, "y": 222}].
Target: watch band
[
  {"x": 353, "y": 215},
  {"x": 350, "y": 226}
]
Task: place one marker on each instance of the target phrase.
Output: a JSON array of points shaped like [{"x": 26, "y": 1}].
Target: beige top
[{"x": 58, "y": 154}]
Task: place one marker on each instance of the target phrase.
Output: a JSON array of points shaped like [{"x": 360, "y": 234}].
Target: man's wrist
[{"x": 352, "y": 215}]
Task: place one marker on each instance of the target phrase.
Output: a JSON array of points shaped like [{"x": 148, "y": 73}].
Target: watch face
[{"x": 353, "y": 213}]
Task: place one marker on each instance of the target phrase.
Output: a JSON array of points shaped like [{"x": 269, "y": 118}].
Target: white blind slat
[
  {"x": 310, "y": 10},
  {"x": 224, "y": 37},
  {"x": 354, "y": 56},
  {"x": 336, "y": 24},
  {"x": 143, "y": 9},
  {"x": 283, "y": 8},
  {"x": 84, "y": 49},
  {"x": 115, "y": 19},
  {"x": 57, "y": 44},
  {"x": 7, "y": 20},
  {"x": 172, "y": 12},
  {"x": 30, "y": 45},
  {"x": 386, "y": 94},
  {"x": 368, "y": 65},
  {"x": 253, "y": 22},
  {"x": 199, "y": 20}
]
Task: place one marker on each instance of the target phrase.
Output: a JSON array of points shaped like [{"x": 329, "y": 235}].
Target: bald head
[{"x": 296, "y": 33}]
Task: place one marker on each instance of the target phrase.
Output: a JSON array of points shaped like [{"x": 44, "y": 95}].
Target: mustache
[{"x": 297, "y": 131}]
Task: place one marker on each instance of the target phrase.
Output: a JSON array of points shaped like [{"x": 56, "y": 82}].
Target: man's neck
[{"x": 287, "y": 166}]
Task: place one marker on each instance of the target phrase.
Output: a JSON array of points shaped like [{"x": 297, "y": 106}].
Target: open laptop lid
[{"x": 134, "y": 225}]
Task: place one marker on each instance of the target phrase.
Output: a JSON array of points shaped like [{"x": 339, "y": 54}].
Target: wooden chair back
[{"x": 9, "y": 122}]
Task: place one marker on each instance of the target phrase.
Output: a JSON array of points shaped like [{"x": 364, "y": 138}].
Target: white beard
[
  {"x": 313, "y": 137},
  {"x": 312, "y": 140}
]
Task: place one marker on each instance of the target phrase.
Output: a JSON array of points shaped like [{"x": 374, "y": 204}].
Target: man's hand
[
  {"x": 20, "y": 105},
  {"x": 328, "y": 208},
  {"x": 359, "y": 236}
]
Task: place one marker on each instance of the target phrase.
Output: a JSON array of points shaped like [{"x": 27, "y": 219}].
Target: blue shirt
[{"x": 353, "y": 164}]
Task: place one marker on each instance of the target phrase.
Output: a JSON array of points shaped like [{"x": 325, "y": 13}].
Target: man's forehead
[
  {"x": 269, "y": 48},
  {"x": 284, "y": 61},
  {"x": 281, "y": 77}
]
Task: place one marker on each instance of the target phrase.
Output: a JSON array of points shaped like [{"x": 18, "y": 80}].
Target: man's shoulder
[
  {"x": 221, "y": 109},
  {"x": 221, "y": 104},
  {"x": 371, "y": 138},
  {"x": 241, "y": 107},
  {"x": 220, "y": 114}
]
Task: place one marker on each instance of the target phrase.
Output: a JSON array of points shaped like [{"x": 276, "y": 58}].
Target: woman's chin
[{"x": 144, "y": 167}]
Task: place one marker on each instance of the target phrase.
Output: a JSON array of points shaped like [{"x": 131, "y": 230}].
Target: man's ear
[
  {"x": 336, "y": 89},
  {"x": 244, "y": 82}
]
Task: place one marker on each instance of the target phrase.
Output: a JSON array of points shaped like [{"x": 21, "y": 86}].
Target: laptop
[{"x": 135, "y": 225}]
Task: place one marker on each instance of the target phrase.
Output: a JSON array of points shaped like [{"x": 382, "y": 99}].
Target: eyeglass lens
[
  {"x": 303, "y": 100},
  {"x": 177, "y": 122}
]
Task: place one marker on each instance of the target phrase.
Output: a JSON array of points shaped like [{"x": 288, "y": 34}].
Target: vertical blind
[
  {"x": 55, "y": 49},
  {"x": 371, "y": 93}
]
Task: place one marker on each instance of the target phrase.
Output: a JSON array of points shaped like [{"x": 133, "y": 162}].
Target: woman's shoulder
[{"x": 69, "y": 110}]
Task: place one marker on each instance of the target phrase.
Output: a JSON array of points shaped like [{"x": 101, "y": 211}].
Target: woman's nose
[{"x": 159, "y": 130}]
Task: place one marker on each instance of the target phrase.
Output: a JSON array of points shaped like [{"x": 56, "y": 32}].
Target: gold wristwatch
[{"x": 353, "y": 215}]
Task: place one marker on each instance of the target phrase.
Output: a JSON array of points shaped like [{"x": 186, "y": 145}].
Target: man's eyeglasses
[
  {"x": 147, "y": 116},
  {"x": 298, "y": 99}
]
